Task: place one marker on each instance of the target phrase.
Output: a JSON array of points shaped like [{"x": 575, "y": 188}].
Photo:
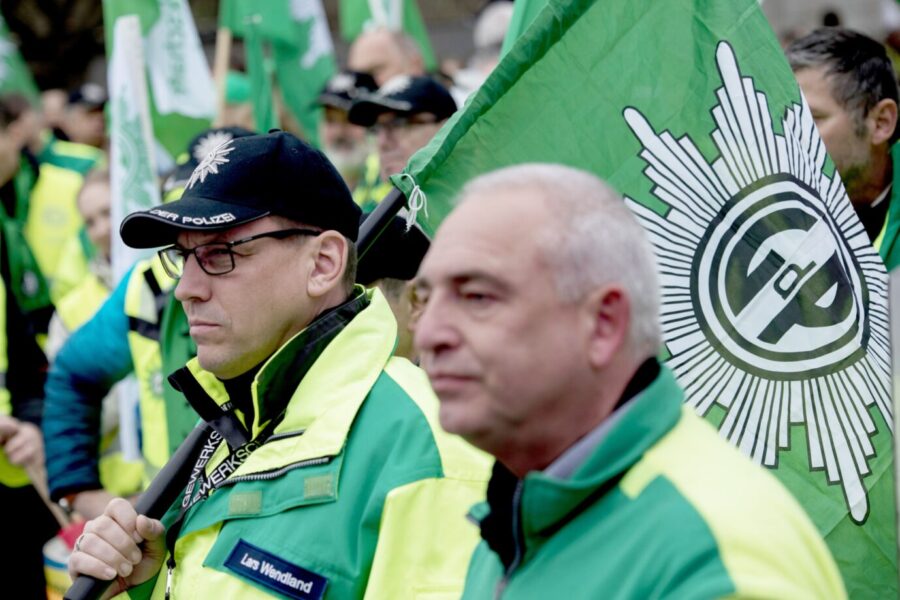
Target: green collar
[{"x": 546, "y": 501}]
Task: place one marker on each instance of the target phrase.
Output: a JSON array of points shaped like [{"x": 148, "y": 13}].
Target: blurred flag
[
  {"x": 289, "y": 45},
  {"x": 132, "y": 166},
  {"x": 357, "y": 16},
  {"x": 524, "y": 12},
  {"x": 14, "y": 74},
  {"x": 774, "y": 301},
  {"x": 182, "y": 94},
  {"x": 133, "y": 181}
]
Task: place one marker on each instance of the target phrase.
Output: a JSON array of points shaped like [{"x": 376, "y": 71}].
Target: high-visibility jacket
[
  {"x": 660, "y": 507},
  {"x": 98, "y": 355},
  {"x": 145, "y": 299},
  {"x": 888, "y": 241},
  {"x": 73, "y": 156},
  {"x": 118, "y": 476},
  {"x": 53, "y": 218},
  {"x": 358, "y": 490}
]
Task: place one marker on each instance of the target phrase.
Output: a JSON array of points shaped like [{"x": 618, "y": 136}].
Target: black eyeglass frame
[{"x": 185, "y": 253}]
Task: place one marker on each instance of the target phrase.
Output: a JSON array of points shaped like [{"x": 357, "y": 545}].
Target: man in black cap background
[
  {"x": 294, "y": 373},
  {"x": 84, "y": 121},
  {"x": 405, "y": 113},
  {"x": 390, "y": 265},
  {"x": 346, "y": 145}
]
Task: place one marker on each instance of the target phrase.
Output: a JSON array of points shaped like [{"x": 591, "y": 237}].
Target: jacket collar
[
  {"x": 279, "y": 378},
  {"x": 545, "y": 503}
]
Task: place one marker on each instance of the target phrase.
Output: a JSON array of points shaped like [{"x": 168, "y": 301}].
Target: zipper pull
[{"x": 170, "y": 568}]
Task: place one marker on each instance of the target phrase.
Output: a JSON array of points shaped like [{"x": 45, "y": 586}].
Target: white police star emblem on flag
[{"x": 774, "y": 301}]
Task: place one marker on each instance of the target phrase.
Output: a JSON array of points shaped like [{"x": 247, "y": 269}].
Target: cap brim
[
  {"x": 366, "y": 112},
  {"x": 161, "y": 225},
  {"x": 335, "y": 101}
]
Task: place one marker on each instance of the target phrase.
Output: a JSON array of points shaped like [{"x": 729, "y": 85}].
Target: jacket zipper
[
  {"x": 278, "y": 472},
  {"x": 518, "y": 542}
]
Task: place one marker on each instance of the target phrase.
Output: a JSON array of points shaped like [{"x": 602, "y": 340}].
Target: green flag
[
  {"x": 14, "y": 74},
  {"x": 288, "y": 43},
  {"x": 774, "y": 306},
  {"x": 182, "y": 94},
  {"x": 131, "y": 165},
  {"x": 397, "y": 15},
  {"x": 524, "y": 12}
]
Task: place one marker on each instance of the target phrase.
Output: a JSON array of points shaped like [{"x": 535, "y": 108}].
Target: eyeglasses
[
  {"x": 217, "y": 258},
  {"x": 401, "y": 124}
]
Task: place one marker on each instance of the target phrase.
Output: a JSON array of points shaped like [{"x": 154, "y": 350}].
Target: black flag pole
[
  {"x": 171, "y": 479},
  {"x": 378, "y": 220},
  {"x": 154, "y": 502}
]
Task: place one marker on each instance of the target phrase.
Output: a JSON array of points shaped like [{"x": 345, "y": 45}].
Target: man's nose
[
  {"x": 193, "y": 284},
  {"x": 434, "y": 330}
]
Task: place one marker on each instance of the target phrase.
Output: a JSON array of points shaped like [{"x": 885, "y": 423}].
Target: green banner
[
  {"x": 180, "y": 86},
  {"x": 15, "y": 78},
  {"x": 289, "y": 45},
  {"x": 774, "y": 306}
]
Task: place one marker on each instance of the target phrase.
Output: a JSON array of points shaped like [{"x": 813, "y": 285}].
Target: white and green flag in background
[
  {"x": 14, "y": 74},
  {"x": 288, "y": 43},
  {"x": 133, "y": 180},
  {"x": 132, "y": 166},
  {"x": 181, "y": 91},
  {"x": 774, "y": 306}
]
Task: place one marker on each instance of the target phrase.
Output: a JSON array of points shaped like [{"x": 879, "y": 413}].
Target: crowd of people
[{"x": 470, "y": 415}]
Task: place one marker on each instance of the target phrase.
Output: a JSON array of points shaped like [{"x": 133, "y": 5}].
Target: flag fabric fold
[
  {"x": 14, "y": 74},
  {"x": 774, "y": 302},
  {"x": 289, "y": 46},
  {"x": 180, "y": 86}
]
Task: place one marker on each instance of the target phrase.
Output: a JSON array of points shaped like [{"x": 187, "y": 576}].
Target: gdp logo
[{"x": 774, "y": 302}]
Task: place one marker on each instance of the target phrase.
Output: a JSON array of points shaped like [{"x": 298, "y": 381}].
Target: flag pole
[
  {"x": 221, "y": 62},
  {"x": 378, "y": 220},
  {"x": 154, "y": 502}
]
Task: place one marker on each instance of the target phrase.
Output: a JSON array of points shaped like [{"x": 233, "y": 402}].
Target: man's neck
[{"x": 539, "y": 451}]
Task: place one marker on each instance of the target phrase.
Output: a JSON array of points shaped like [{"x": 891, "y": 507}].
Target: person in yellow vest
[{"x": 118, "y": 476}]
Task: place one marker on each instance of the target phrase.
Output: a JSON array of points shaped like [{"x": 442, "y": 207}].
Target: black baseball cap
[
  {"x": 405, "y": 95},
  {"x": 342, "y": 89},
  {"x": 247, "y": 178},
  {"x": 397, "y": 253},
  {"x": 90, "y": 95},
  {"x": 197, "y": 149}
]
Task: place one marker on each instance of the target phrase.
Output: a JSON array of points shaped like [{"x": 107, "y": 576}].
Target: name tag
[{"x": 273, "y": 572}]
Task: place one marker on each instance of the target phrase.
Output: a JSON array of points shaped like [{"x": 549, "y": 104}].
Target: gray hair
[
  {"x": 860, "y": 73},
  {"x": 595, "y": 240}
]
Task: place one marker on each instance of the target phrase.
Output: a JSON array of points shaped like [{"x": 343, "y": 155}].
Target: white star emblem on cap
[{"x": 210, "y": 163}]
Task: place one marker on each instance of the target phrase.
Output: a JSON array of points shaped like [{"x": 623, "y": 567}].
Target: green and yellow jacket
[
  {"x": 357, "y": 492},
  {"x": 660, "y": 507}
]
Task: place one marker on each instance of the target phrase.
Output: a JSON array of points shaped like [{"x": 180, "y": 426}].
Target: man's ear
[
  {"x": 882, "y": 121},
  {"x": 329, "y": 256},
  {"x": 608, "y": 310}
]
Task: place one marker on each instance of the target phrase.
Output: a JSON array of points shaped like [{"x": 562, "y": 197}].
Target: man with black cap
[
  {"x": 346, "y": 145},
  {"x": 326, "y": 475},
  {"x": 390, "y": 266},
  {"x": 405, "y": 113},
  {"x": 84, "y": 120}
]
